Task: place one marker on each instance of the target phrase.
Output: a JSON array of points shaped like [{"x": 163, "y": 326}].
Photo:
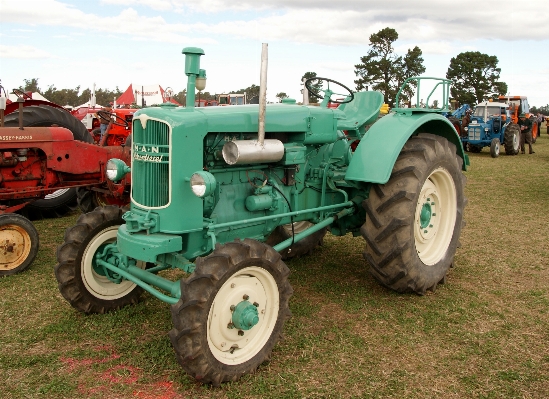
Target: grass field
[{"x": 484, "y": 334}]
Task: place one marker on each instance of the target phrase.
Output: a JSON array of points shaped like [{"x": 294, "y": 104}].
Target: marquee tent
[
  {"x": 35, "y": 96},
  {"x": 143, "y": 95}
]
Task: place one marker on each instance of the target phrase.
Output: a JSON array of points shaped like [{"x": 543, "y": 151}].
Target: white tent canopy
[{"x": 35, "y": 96}]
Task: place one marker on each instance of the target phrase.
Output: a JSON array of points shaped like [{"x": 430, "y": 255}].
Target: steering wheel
[
  {"x": 21, "y": 93},
  {"x": 328, "y": 92},
  {"x": 118, "y": 121}
]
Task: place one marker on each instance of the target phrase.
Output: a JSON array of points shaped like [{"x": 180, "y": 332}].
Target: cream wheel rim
[
  {"x": 435, "y": 216},
  {"x": 15, "y": 246},
  {"x": 232, "y": 346},
  {"x": 100, "y": 286}
]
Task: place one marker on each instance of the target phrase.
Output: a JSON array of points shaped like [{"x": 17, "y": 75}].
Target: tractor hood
[{"x": 279, "y": 118}]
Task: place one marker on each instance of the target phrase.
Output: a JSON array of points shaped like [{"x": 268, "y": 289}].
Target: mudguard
[{"x": 376, "y": 154}]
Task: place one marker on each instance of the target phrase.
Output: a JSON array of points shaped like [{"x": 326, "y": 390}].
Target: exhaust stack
[{"x": 260, "y": 150}]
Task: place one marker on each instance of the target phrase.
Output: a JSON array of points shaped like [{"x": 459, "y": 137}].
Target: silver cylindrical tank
[{"x": 251, "y": 151}]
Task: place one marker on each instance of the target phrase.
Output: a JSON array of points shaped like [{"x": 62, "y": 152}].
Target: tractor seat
[{"x": 363, "y": 110}]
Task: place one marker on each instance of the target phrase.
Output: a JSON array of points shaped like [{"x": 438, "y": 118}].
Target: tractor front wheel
[
  {"x": 231, "y": 311},
  {"x": 18, "y": 243},
  {"x": 494, "y": 148},
  {"x": 414, "y": 221},
  {"x": 81, "y": 281}
]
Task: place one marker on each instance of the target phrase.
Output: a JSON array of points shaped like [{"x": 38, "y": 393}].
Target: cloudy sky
[{"x": 69, "y": 43}]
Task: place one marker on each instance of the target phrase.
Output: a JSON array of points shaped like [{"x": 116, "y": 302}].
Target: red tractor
[
  {"x": 519, "y": 105},
  {"x": 45, "y": 113},
  {"x": 46, "y": 154},
  {"x": 120, "y": 123}
]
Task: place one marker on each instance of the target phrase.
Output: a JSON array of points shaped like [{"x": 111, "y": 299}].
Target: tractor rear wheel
[
  {"x": 414, "y": 221},
  {"x": 511, "y": 139},
  {"x": 87, "y": 200},
  {"x": 231, "y": 311},
  {"x": 61, "y": 201},
  {"x": 456, "y": 123},
  {"x": 54, "y": 205},
  {"x": 83, "y": 284},
  {"x": 44, "y": 115},
  {"x": 302, "y": 247},
  {"x": 18, "y": 243}
]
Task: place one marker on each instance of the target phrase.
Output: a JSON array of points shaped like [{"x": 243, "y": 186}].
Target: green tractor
[{"x": 226, "y": 194}]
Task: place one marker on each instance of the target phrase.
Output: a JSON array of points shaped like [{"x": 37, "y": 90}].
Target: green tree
[
  {"x": 475, "y": 77},
  {"x": 281, "y": 96},
  {"x": 316, "y": 85},
  {"x": 383, "y": 70},
  {"x": 31, "y": 85},
  {"x": 84, "y": 97},
  {"x": 181, "y": 97},
  {"x": 105, "y": 96},
  {"x": 64, "y": 96},
  {"x": 251, "y": 92}
]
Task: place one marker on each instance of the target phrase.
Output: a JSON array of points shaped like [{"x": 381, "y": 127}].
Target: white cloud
[
  {"x": 344, "y": 22},
  {"x": 127, "y": 22},
  {"x": 159, "y": 5},
  {"x": 324, "y": 36},
  {"x": 428, "y": 47},
  {"x": 26, "y": 52}
]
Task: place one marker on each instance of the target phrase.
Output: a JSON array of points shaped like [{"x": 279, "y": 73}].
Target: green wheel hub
[
  {"x": 245, "y": 316},
  {"x": 425, "y": 216}
]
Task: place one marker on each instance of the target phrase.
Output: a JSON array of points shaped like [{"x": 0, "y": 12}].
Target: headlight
[
  {"x": 116, "y": 169},
  {"x": 466, "y": 128},
  {"x": 203, "y": 184},
  {"x": 486, "y": 129}
]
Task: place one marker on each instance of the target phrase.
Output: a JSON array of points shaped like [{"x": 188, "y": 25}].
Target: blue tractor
[{"x": 491, "y": 126}]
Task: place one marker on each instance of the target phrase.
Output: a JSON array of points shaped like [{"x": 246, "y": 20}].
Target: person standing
[
  {"x": 105, "y": 122},
  {"x": 525, "y": 125},
  {"x": 465, "y": 122}
]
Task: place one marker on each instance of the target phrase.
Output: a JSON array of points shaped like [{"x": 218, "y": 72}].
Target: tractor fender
[
  {"x": 376, "y": 154},
  {"x": 14, "y": 106}
]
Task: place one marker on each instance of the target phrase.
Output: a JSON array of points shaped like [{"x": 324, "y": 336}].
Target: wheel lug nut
[
  {"x": 240, "y": 332},
  {"x": 256, "y": 304},
  {"x": 233, "y": 308},
  {"x": 230, "y": 325},
  {"x": 246, "y": 297}
]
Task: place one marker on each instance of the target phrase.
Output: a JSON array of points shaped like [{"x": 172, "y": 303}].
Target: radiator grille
[
  {"x": 474, "y": 132},
  {"x": 151, "y": 164}
]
